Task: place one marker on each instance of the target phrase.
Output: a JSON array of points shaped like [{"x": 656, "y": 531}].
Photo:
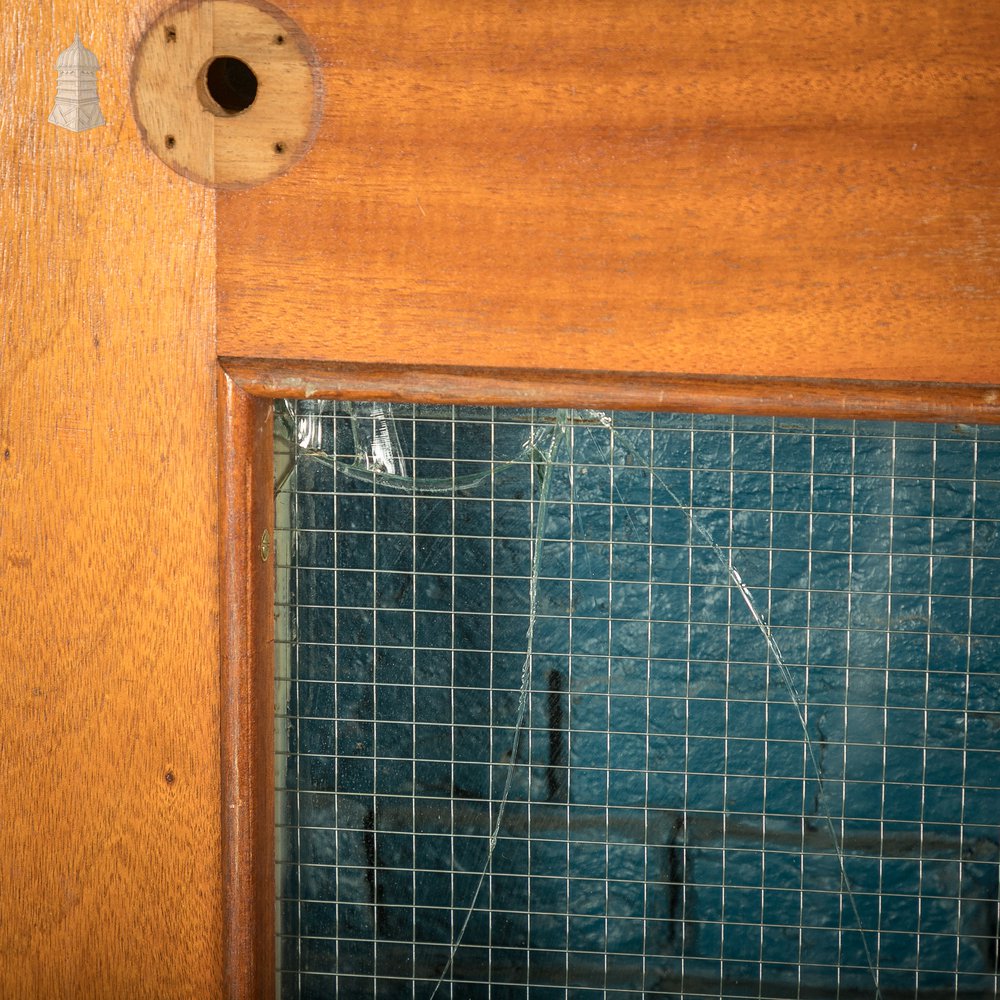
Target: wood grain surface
[
  {"x": 110, "y": 868},
  {"x": 246, "y": 558},
  {"x": 788, "y": 195},
  {"x": 794, "y": 189},
  {"x": 839, "y": 399}
]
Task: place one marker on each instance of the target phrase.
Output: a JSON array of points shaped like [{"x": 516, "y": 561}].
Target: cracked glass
[{"x": 585, "y": 704}]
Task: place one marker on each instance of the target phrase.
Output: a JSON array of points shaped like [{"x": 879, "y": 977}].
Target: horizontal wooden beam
[{"x": 793, "y": 189}]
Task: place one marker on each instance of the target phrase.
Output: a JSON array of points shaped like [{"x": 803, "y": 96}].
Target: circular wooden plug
[{"x": 226, "y": 92}]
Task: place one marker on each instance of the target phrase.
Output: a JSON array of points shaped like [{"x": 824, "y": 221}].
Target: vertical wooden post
[
  {"x": 246, "y": 557},
  {"x": 110, "y": 830}
]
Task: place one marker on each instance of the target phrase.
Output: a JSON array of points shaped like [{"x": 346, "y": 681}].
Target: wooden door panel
[{"x": 791, "y": 190}]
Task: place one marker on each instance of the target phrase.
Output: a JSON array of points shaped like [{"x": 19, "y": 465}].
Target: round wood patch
[{"x": 226, "y": 92}]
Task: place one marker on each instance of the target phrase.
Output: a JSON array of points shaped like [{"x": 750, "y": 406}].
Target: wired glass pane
[{"x": 574, "y": 704}]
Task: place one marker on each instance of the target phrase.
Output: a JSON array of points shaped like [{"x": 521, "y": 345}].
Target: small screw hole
[
  {"x": 171, "y": 32},
  {"x": 170, "y": 141},
  {"x": 279, "y": 39},
  {"x": 279, "y": 147},
  {"x": 169, "y": 777}
]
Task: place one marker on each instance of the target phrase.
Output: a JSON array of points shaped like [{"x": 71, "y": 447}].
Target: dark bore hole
[
  {"x": 171, "y": 34},
  {"x": 171, "y": 142},
  {"x": 279, "y": 39},
  {"x": 231, "y": 83},
  {"x": 279, "y": 147}
]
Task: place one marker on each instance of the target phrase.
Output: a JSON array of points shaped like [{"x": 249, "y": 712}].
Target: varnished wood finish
[
  {"x": 727, "y": 206},
  {"x": 617, "y": 390},
  {"x": 247, "y": 598},
  {"x": 794, "y": 189},
  {"x": 110, "y": 867}
]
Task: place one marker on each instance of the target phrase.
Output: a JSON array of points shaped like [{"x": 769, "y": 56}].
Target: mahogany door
[{"x": 780, "y": 208}]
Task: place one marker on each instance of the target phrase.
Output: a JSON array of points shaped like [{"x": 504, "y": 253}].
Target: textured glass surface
[{"x": 758, "y": 754}]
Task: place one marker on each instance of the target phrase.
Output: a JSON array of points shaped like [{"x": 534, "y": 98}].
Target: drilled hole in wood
[
  {"x": 227, "y": 86},
  {"x": 170, "y": 142},
  {"x": 171, "y": 33},
  {"x": 232, "y": 59}
]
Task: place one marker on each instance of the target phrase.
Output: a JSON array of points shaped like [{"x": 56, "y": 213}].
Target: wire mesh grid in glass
[{"x": 579, "y": 705}]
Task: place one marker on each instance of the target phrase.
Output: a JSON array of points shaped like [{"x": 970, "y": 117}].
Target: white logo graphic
[{"x": 77, "y": 106}]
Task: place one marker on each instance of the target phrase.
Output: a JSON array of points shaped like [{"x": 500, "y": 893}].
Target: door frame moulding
[
  {"x": 246, "y": 583},
  {"x": 750, "y": 395}
]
